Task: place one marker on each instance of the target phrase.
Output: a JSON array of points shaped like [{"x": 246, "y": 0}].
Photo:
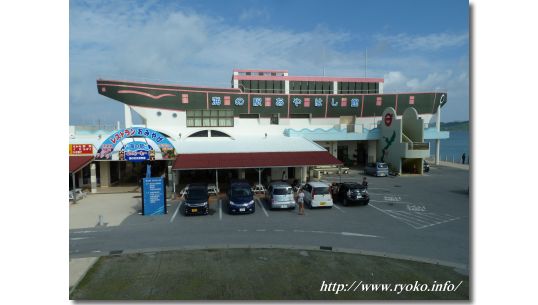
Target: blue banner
[{"x": 153, "y": 196}]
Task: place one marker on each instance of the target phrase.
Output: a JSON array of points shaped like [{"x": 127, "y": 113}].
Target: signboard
[
  {"x": 148, "y": 145},
  {"x": 153, "y": 196},
  {"x": 137, "y": 152},
  {"x": 388, "y": 119},
  {"x": 80, "y": 149}
]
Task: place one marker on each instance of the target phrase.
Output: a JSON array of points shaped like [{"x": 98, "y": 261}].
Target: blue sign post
[{"x": 153, "y": 196}]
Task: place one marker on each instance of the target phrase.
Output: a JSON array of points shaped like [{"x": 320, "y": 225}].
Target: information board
[{"x": 153, "y": 196}]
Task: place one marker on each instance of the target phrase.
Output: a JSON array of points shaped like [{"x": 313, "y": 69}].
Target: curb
[
  {"x": 92, "y": 262},
  {"x": 462, "y": 267}
]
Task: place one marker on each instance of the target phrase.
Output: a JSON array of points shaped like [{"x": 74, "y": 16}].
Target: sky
[{"x": 414, "y": 45}]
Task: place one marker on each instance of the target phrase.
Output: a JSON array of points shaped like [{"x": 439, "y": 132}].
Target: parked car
[
  {"x": 426, "y": 166},
  {"x": 351, "y": 193},
  {"x": 316, "y": 194},
  {"x": 240, "y": 198},
  {"x": 212, "y": 189},
  {"x": 280, "y": 195},
  {"x": 258, "y": 189},
  {"x": 377, "y": 169},
  {"x": 196, "y": 199}
]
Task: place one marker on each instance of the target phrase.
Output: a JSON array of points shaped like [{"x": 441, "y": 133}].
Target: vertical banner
[{"x": 153, "y": 196}]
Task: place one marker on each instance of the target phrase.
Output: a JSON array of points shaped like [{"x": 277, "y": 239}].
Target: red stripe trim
[
  {"x": 155, "y": 97},
  {"x": 154, "y": 84},
  {"x": 310, "y": 78}
]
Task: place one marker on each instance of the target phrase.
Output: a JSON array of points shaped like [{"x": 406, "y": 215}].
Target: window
[
  {"x": 174, "y": 115},
  {"x": 210, "y": 118},
  {"x": 216, "y": 133},
  {"x": 274, "y": 119},
  {"x": 200, "y": 134},
  {"x": 249, "y": 115},
  {"x": 159, "y": 113},
  {"x": 300, "y": 115}
]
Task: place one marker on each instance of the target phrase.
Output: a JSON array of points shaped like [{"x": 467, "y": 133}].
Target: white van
[{"x": 316, "y": 194}]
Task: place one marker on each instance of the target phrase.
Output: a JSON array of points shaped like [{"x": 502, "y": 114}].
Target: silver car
[
  {"x": 377, "y": 169},
  {"x": 280, "y": 196}
]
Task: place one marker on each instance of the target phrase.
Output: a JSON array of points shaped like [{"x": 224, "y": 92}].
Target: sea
[{"x": 453, "y": 147}]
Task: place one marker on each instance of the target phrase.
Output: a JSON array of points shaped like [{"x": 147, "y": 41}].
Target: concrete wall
[
  {"x": 412, "y": 125},
  {"x": 390, "y": 148},
  {"x": 104, "y": 173}
]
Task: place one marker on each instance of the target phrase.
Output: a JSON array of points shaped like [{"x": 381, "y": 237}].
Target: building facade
[{"x": 264, "y": 110}]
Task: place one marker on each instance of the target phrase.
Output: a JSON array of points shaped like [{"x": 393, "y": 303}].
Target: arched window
[
  {"x": 216, "y": 133},
  {"x": 200, "y": 134}
]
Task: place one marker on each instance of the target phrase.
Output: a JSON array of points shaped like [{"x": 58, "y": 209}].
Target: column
[
  {"x": 437, "y": 151},
  {"x": 241, "y": 173},
  {"x": 128, "y": 117},
  {"x": 438, "y": 142},
  {"x": 93, "y": 178},
  {"x": 287, "y": 87},
  {"x": 335, "y": 88},
  {"x": 381, "y": 88},
  {"x": 81, "y": 178},
  {"x": 169, "y": 187},
  {"x": 104, "y": 173},
  {"x": 372, "y": 151},
  {"x": 304, "y": 172}
]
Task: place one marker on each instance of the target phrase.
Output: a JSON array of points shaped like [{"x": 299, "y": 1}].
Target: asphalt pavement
[{"x": 417, "y": 216}]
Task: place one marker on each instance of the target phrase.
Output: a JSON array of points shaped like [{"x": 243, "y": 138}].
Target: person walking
[
  {"x": 364, "y": 182},
  {"x": 463, "y": 158},
  {"x": 300, "y": 201}
]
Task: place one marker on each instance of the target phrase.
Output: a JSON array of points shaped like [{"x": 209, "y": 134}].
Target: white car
[
  {"x": 316, "y": 194},
  {"x": 258, "y": 188},
  {"x": 212, "y": 189}
]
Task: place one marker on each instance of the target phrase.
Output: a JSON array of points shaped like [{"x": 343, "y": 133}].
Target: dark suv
[
  {"x": 196, "y": 198},
  {"x": 351, "y": 193},
  {"x": 240, "y": 198}
]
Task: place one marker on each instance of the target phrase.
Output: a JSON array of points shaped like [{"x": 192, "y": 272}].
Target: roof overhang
[
  {"x": 76, "y": 163},
  {"x": 253, "y": 160}
]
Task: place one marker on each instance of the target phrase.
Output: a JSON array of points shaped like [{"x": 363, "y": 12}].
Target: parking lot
[{"x": 421, "y": 216}]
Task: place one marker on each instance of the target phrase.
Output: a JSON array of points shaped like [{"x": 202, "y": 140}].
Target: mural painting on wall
[
  {"x": 136, "y": 145},
  {"x": 388, "y": 143}
]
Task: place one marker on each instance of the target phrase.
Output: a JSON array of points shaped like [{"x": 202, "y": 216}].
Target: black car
[
  {"x": 196, "y": 200},
  {"x": 351, "y": 193},
  {"x": 426, "y": 167}
]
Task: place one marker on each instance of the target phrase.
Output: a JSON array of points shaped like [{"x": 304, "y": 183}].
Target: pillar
[
  {"x": 335, "y": 88},
  {"x": 437, "y": 151},
  {"x": 438, "y": 142},
  {"x": 74, "y": 188},
  {"x": 287, "y": 87},
  {"x": 241, "y": 173},
  {"x": 104, "y": 173},
  {"x": 304, "y": 172},
  {"x": 81, "y": 178},
  {"x": 169, "y": 187},
  {"x": 93, "y": 178},
  {"x": 372, "y": 151},
  {"x": 128, "y": 116}
]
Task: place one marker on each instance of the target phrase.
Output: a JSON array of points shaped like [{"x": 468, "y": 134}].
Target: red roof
[
  {"x": 254, "y": 160},
  {"x": 76, "y": 163}
]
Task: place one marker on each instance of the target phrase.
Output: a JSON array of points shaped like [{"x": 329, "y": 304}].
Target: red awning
[
  {"x": 77, "y": 163},
  {"x": 254, "y": 160}
]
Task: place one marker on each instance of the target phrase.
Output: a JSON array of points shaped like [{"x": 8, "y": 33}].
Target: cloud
[
  {"x": 254, "y": 13},
  {"x": 168, "y": 44},
  {"x": 434, "y": 41}
]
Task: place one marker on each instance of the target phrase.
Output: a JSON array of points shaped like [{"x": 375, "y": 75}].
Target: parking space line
[
  {"x": 339, "y": 208},
  {"x": 261, "y": 205},
  {"x": 175, "y": 213},
  {"x": 220, "y": 209},
  {"x": 390, "y": 201}
]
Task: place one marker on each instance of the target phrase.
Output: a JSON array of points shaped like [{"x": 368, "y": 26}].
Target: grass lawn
[{"x": 258, "y": 274}]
